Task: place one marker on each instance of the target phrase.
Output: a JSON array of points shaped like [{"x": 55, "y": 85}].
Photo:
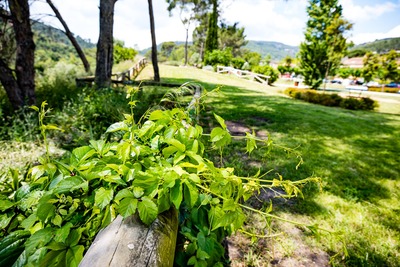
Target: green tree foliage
[
  {"x": 232, "y": 36},
  {"x": 359, "y": 52},
  {"x": 325, "y": 43},
  {"x": 389, "y": 69},
  {"x": 212, "y": 33},
  {"x": 371, "y": 66},
  {"x": 286, "y": 66},
  {"x": 122, "y": 53},
  {"x": 253, "y": 58},
  {"x": 167, "y": 48},
  {"x": 268, "y": 71},
  {"x": 218, "y": 57}
]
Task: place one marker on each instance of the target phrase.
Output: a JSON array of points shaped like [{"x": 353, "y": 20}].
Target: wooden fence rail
[
  {"x": 119, "y": 77},
  {"x": 244, "y": 74},
  {"x": 128, "y": 242}
]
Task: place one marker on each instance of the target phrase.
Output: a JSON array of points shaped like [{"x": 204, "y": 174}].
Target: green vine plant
[{"x": 158, "y": 164}]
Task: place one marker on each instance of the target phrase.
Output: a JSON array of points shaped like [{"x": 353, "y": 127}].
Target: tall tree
[
  {"x": 19, "y": 82},
  {"x": 104, "y": 54},
  {"x": 153, "y": 43},
  {"x": 232, "y": 36},
  {"x": 325, "y": 41},
  {"x": 212, "y": 32},
  {"x": 371, "y": 66},
  {"x": 389, "y": 70},
  {"x": 70, "y": 36}
]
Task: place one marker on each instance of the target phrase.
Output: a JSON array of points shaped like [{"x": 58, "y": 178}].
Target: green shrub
[
  {"x": 385, "y": 89},
  {"x": 218, "y": 57},
  {"x": 332, "y": 100},
  {"x": 237, "y": 63},
  {"x": 268, "y": 71}
]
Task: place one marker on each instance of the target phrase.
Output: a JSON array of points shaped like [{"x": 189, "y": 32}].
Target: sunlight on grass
[{"x": 354, "y": 152}]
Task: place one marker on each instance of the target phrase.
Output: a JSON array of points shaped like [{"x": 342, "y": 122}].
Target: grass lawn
[{"x": 355, "y": 153}]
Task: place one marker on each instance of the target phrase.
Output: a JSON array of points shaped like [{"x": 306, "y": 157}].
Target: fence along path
[
  {"x": 119, "y": 77},
  {"x": 244, "y": 74}
]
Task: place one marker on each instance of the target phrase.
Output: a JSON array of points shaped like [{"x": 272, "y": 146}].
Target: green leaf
[
  {"x": 221, "y": 121},
  {"x": 176, "y": 194},
  {"x": 53, "y": 245},
  {"x": 147, "y": 210},
  {"x": 71, "y": 184},
  {"x": 217, "y": 134},
  {"x": 170, "y": 132},
  {"x": 5, "y": 204},
  {"x": 156, "y": 115},
  {"x": 39, "y": 239},
  {"x": 192, "y": 261},
  {"x": 250, "y": 142},
  {"x": 29, "y": 222},
  {"x": 127, "y": 207},
  {"x": 74, "y": 237},
  {"x": 74, "y": 255},
  {"x": 229, "y": 205},
  {"x": 118, "y": 126},
  {"x": 138, "y": 191},
  {"x": 144, "y": 130},
  {"x": 202, "y": 255},
  {"x": 124, "y": 151},
  {"x": 37, "y": 171},
  {"x": 45, "y": 211},
  {"x": 173, "y": 142},
  {"x": 53, "y": 258},
  {"x": 168, "y": 151},
  {"x": 191, "y": 194},
  {"x": 103, "y": 197},
  {"x": 123, "y": 194},
  {"x": 57, "y": 220},
  {"x": 80, "y": 154},
  {"x": 62, "y": 233}
]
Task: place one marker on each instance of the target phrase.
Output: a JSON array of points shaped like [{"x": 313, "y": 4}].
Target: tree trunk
[
  {"x": 186, "y": 46},
  {"x": 104, "y": 55},
  {"x": 153, "y": 43},
  {"x": 70, "y": 36},
  {"x": 10, "y": 85},
  {"x": 25, "y": 57}
]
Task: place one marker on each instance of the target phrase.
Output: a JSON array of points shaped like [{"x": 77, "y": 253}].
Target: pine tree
[
  {"x": 212, "y": 33},
  {"x": 325, "y": 43}
]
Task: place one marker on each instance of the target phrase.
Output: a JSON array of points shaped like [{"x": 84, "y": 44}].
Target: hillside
[
  {"x": 277, "y": 50},
  {"x": 52, "y": 46},
  {"x": 380, "y": 46}
]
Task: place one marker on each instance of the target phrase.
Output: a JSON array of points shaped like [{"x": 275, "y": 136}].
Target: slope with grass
[{"x": 354, "y": 152}]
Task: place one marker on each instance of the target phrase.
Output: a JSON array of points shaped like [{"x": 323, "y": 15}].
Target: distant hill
[
  {"x": 278, "y": 51},
  {"x": 44, "y": 32},
  {"x": 380, "y": 46},
  {"x": 52, "y": 45}
]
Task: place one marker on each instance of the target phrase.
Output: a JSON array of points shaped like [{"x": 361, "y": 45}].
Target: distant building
[{"x": 354, "y": 63}]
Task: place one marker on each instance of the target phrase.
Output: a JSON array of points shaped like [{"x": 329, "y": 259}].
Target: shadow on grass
[{"x": 352, "y": 151}]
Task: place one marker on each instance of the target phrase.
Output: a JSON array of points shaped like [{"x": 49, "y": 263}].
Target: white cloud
[
  {"x": 372, "y": 36},
  {"x": 358, "y": 13}
]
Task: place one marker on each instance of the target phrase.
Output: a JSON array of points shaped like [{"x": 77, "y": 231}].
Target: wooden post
[{"x": 131, "y": 243}]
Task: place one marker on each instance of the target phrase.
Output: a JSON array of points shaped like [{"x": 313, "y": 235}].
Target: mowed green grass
[{"x": 355, "y": 153}]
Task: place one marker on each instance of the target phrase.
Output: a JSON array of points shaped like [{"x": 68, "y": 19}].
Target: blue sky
[{"x": 268, "y": 20}]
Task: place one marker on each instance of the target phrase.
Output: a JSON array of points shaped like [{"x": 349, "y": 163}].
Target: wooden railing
[
  {"x": 119, "y": 77},
  {"x": 128, "y": 242},
  {"x": 244, "y": 74},
  {"x": 132, "y": 73}
]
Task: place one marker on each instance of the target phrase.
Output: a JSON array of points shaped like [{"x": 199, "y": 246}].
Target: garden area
[{"x": 347, "y": 215}]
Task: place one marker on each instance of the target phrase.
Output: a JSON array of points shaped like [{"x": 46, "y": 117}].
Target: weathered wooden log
[{"x": 128, "y": 242}]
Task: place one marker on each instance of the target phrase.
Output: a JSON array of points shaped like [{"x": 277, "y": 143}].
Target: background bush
[
  {"x": 332, "y": 100},
  {"x": 268, "y": 71}
]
